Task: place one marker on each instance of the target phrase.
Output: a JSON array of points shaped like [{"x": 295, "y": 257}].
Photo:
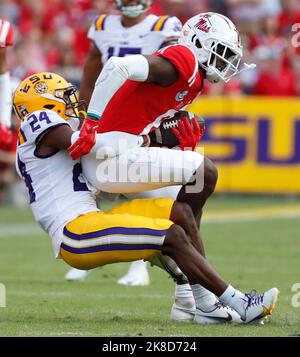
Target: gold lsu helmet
[{"x": 47, "y": 91}]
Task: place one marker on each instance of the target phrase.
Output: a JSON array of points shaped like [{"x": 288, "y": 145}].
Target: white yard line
[{"x": 62, "y": 294}]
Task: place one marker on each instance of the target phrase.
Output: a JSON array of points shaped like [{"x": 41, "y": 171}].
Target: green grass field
[{"x": 255, "y": 246}]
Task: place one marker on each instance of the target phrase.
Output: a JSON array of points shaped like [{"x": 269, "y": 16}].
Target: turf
[{"x": 251, "y": 255}]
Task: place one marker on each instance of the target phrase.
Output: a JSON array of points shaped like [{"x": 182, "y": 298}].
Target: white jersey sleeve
[
  {"x": 171, "y": 30},
  {"x": 36, "y": 125},
  {"x": 91, "y": 33},
  {"x": 96, "y": 29}
]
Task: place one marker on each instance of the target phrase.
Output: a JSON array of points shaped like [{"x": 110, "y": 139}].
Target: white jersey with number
[
  {"x": 113, "y": 39},
  {"x": 58, "y": 192}
]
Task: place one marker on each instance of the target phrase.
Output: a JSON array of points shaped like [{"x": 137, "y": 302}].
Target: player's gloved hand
[
  {"x": 6, "y": 33},
  {"x": 188, "y": 134},
  {"x": 5, "y": 135},
  {"x": 87, "y": 138}
]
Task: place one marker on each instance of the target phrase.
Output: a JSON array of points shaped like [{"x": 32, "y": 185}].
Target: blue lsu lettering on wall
[
  {"x": 265, "y": 139},
  {"x": 254, "y": 141},
  {"x": 241, "y": 144}
]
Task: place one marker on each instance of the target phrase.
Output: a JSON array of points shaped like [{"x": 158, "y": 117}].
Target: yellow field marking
[{"x": 255, "y": 213}]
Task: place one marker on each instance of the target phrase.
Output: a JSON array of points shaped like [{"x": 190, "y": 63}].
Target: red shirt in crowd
[{"x": 282, "y": 83}]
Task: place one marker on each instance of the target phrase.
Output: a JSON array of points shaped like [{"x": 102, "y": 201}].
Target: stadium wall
[{"x": 254, "y": 141}]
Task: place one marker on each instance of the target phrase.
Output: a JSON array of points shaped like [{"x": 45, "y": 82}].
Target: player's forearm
[
  {"x": 86, "y": 91},
  {"x": 7, "y": 157},
  {"x": 90, "y": 74},
  {"x": 3, "y": 61},
  {"x": 114, "y": 74}
]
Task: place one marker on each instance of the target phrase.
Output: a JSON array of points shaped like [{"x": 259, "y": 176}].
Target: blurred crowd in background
[{"x": 51, "y": 35}]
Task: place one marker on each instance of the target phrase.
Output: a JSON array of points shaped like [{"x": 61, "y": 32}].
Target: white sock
[
  {"x": 234, "y": 299},
  {"x": 137, "y": 265},
  {"x": 184, "y": 296},
  {"x": 205, "y": 300}
]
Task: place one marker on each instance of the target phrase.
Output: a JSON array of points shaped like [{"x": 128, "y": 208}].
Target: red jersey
[{"x": 139, "y": 107}]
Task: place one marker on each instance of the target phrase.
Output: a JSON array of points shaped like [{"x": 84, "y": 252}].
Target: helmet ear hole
[
  {"x": 49, "y": 106},
  {"x": 196, "y": 41},
  {"x": 198, "y": 44}
]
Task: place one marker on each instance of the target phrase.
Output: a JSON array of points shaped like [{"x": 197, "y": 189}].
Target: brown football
[{"x": 163, "y": 135}]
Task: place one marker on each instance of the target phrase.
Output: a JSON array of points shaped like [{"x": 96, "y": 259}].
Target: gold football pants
[{"x": 131, "y": 231}]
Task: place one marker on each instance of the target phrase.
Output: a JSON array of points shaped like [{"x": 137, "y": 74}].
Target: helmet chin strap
[{"x": 211, "y": 76}]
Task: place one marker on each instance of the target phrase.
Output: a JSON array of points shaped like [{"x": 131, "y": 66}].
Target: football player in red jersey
[
  {"x": 149, "y": 89},
  {"x": 135, "y": 94}
]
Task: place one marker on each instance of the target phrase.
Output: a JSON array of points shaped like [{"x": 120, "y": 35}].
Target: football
[{"x": 163, "y": 135}]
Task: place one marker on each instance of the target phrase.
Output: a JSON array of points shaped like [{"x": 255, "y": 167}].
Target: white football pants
[{"x": 142, "y": 169}]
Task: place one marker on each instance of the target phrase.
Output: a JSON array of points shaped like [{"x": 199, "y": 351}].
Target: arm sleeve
[
  {"x": 114, "y": 74},
  {"x": 112, "y": 144},
  {"x": 5, "y": 99}
]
